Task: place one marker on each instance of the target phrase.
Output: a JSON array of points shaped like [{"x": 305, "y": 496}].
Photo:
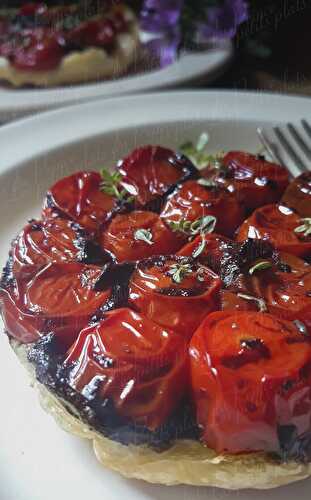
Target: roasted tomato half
[
  {"x": 80, "y": 198},
  {"x": 192, "y": 201},
  {"x": 281, "y": 226},
  {"x": 174, "y": 292},
  {"x": 131, "y": 360},
  {"x": 282, "y": 289},
  {"x": 59, "y": 298},
  {"x": 254, "y": 180},
  {"x": 138, "y": 235},
  {"x": 298, "y": 195},
  {"x": 150, "y": 172},
  {"x": 41, "y": 242},
  {"x": 251, "y": 375}
]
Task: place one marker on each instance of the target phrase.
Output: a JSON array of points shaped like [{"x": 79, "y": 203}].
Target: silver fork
[{"x": 295, "y": 141}]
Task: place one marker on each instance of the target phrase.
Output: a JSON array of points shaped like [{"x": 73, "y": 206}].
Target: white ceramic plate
[
  {"x": 189, "y": 68},
  {"x": 38, "y": 461}
]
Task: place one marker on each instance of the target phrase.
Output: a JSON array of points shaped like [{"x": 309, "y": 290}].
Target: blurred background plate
[
  {"x": 39, "y": 461},
  {"x": 190, "y": 68}
]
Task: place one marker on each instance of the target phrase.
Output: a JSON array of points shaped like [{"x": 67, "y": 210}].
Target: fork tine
[
  {"x": 299, "y": 140},
  {"x": 299, "y": 163},
  {"x": 272, "y": 150},
  {"x": 306, "y": 127}
]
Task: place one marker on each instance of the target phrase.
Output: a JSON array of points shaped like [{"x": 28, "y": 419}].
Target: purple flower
[
  {"x": 158, "y": 16},
  {"x": 223, "y": 21},
  {"x": 165, "y": 47}
]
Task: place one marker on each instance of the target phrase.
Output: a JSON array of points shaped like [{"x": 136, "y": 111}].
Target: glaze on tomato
[
  {"x": 123, "y": 238},
  {"x": 277, "y": 224},
  {"x": 254, "y": 180},
  {"x": 282, "y": 290},
  {"x": 59, "y": 298},
  {"x": 298, "y": 195},
  {"x": 251, "y": 375},
  {"x": 80, "y": 198},
  {"x": 136, "y": 363},
  {"x": 41, "y": 242},
  {"x": 155, "y": 291},
  {"x": 151, "y": 171},
  {"x": 192, "y": 201}
]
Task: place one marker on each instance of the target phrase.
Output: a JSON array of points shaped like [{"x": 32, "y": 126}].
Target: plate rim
[
  {"x": 50, "y": 128},
  {"x": 31, "y": 100}
]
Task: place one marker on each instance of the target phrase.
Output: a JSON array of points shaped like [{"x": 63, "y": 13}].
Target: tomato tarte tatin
[
  {"x": 52, "y": 45},
  {"x": 166, "y": 313}
]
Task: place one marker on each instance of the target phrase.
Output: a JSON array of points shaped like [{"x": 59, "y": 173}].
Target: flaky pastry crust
[{"x": 186, "y": 462}]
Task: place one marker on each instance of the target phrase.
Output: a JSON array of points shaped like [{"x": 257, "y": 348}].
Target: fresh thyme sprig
[
  {"x": 205, "y": 224},
  {"x": 143, "y": 235},
  {"x": 111, "y": 185},
  {"x": 198, "y": 153},
  {"x": 305, "y": 228},
  {"x": 179, "y": 271}
]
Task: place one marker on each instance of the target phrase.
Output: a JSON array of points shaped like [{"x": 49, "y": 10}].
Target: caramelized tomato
[
  {"x": 254, "y": 180},
  {"x": 41, "y": 49},
  {"x": 79, "y": 197},
  {"x": 59, "y": 298},
  {"x": 251, "y": 375},
  {"x": 213, "y": 252},
  {"x": 191, "y": 201},
  {"x": 125, "y": 240},
  {"x": 94, "y": 33},
  {"x": 41, "y": 242},
  {"x": 133, "y": 361},
  {"x": 298, "y": 195},
  {"x": 277, "y": 224},
  {"x": 175, "y": 293},
  {"x": 149, "y": 173},
  {"x": 283, "y": 290}
]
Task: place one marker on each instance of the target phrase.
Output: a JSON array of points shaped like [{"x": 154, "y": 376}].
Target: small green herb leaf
[
  {"x": 197, "y": 252},
  {"x": 143, "y": 235},
  {"x": 198, "y": 153},
  {"x": 110, "y": 185},
  {"x": 260, "y": 266},
  {"x": 202, "y": 142},
  {"x": 207, "y": 183},
  {"x": 260, "y": 302},
  {"x": 179, "y": 271},
  {"x": 305, "y": 228}
]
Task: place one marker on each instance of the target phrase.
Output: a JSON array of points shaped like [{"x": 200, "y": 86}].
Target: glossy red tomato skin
[
  {"x": 119, "y": 238},
  {"x": 79, "y": 198},
  {"x": 243, "y": 394},
  {"x": 215, "y": 247},
  {"x": 277, "y": 224},
  {"x": 58, "y": 298},
  {"x": 42, "y": 242},
  {"x": 191, "y": 201},
  {"x": 254, "y": 181},
  {"x": 298, "y": 195},
  {"x": 149, "y": 172},
  {"x": 143, "y": 368},
  {"x": 285, "y": 290},
  {"x": 153, "y": 293}
]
